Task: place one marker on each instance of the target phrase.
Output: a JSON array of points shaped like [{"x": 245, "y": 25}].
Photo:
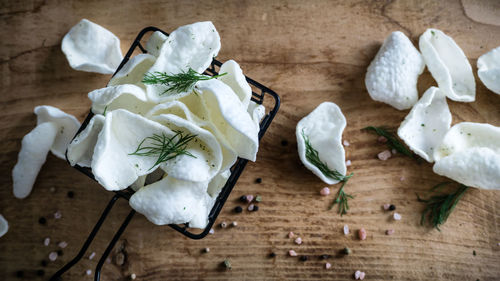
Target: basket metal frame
[{"x": 259, "y": 92}]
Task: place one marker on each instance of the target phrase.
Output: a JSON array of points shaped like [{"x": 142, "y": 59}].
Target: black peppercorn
[
  {"x": 60, "y": 252},
  {"x": 258, "y": 180},
  {"x": 303, "y": 258},
  {"x": 243, "y": 198},
  {"x": 20, "y": 273},
  {"x": 40, "y": 272},
  {"x": 392, "y": 207},
  {"x": 238, "y": 209},
  {"x": 71, "y": 194},
  {"x": 284, "y": 142},
  {"x": 44, "y": 263},
  {"x": 272, "y": 255},
  {"x": 42, "y": 220},
  {"x": 255, "y": 208},
  {"x": 347, "y": 251}
]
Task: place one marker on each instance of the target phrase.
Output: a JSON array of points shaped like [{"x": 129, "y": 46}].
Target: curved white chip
[
  {"x": 474, "y": 166},
  {"x": 448, "y": 65},
  {"x": 235, "y": 79},
  {"x": 190, "y": 46},
  {"x": 92, "y": 48},
  {"x": 133, "y": 71},
  {"x": 392, "y": 75},
  {"x": 129, "y": 97},
  {"x": 155, "y": 42},
  {"x": 170, "y": 201},
  {"x": 324, "y": 127},
  {"x": 4, "y": 226},
  {"x": 81, "y": 148},
  {"x": 67, "y": 126},
  {"x": 257, "y": 111},
  {"x": 426, "y": 124},
  {"x": 488, "y": 70},
  {"x": 34, "y": 148},
  {"x": 227, "y": 113}
]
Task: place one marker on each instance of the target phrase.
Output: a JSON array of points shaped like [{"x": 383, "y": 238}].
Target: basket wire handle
[{"x": 95, "y": 230}]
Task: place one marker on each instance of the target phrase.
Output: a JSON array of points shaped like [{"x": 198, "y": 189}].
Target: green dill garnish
[
  {"x": 165, "y": 148},
  {"x": 312, "y": 156},
  {"x": 392, "y": 141},
  {"x": 176, "y": 83},
  {"x": 105, "y": 109},
  {"x": 439, "y": 206}
]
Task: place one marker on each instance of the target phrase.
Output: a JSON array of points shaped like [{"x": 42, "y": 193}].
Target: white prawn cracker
[
  {"x": 133, "y": 71},
  {"x": 426, "y": 124},
  {"x": 92, "y": 48},
  {"x": 128, "y": 96},
  {"x": 470, "y": 154},
  {"x": 4, "y": 226},
  {"x": 448, "y": 65},
  {"x": 155, "y": 42},
  {"x": 235, "y": 79},
  {"x": 392, "y": 75},
  {"x": 323, "y": 128},
  {"x": 191, "y": 46},
  {"x": 81, "y": 148},
  {"x": 488, "y": 70},
  {"x": 257, "y": 111}
]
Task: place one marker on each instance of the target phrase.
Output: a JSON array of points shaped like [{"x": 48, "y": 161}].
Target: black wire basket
[{"x": 259, "y": 93}]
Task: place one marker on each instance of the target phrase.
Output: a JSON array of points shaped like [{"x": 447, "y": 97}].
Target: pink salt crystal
[
  {"x": 290, "y": 234},
  {"x": 387, "y": 206},
  {"x": 325, "y": 191},
  {"x": 389, "y": 231},
  {"x": 92, "y": 255},
  {"x": 46, "y": 242},
  {"x": 211, "y": 231},
  {"x": 348, "y": 163},
  {"x": 249, "y": 198},
  {"x": 251, "y": 207},
  {"x": 292, "y": 253},
  {"x": 382, "y": 139},
  {"x": 88, "y": 272},
  {"x": 298, "y": 241},
  {"x": 53, "y": 256},
  {"x": 328, "y": 265},
  {"x": 62, "y": 244},
  {"x": 357, "y": 274},
  {"x": 346, "y": 143},
  {"x": 402, "y": 178},
  {"x": 384, "y": 155},
  {"x": 346, "y": 229},
  {"x": 362, "y": 234},
  {"x": 362, "y": 275},
  {"x": 108, "y": 260},
  {"x": 57, "y": 215},
  {"x": 396, "y": 216}
]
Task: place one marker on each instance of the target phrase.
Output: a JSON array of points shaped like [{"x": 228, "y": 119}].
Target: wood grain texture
[{"x": 308, "y": 52}]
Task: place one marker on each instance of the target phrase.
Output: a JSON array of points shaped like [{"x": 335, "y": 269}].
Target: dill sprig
[
  {"x": 439, "y": 207},
  {"x": 312, "y": 156},
  {"x": 176, "y": 83},
  {"x": 392, "y": 141},
  {"x": 165, "y": 148}
]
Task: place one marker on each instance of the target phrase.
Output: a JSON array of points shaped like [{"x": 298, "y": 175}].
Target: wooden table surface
[{"x": 308, "y": 52}]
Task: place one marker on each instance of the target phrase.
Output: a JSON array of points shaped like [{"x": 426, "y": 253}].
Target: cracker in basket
[
  {"x": 235, "y": 79},
  {"x": 133, "y": 71},
  {"x": 257, "y": 111},
  {"x": 392, "y": 75},
  {"x": 322, "y": 129},
  {"x": 448, "y": 65},
  {"x": 127, "y": 96},
  {"x": 81, "y": 148},
  {"x": 470, "y": 154},
  {"x": 92, "y": 48},
  {"x": 4, "y": 226},
  {"x": 488, "y": 70},
  {"x": 155, "y": 42},
  {"x": 191, "y": 46},
  {"x": 426, "y": 124}
]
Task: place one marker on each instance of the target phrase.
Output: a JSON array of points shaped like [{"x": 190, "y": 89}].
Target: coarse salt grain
[
  {"x": 394, "y": 151},
  {"x": 133, "y": 276},
  {"x": 292, "y": 253},
  {"x": 207, "y": 250},
  {"x": 92, "y": 255},
  {"x": 211, "y": 231},
  {"x": 53, "y": 256},
  {"x": 328, "y": 265},
  {"x": 298, "y": 241},
  {"x": 346, "y": 143},
  {"x": 57, "y": 215},
  {"x": 384, "y": 155},
  {"x": 362, "y": 234},
  {"x": 362, "y": 275},
  {"x": 234, "y": 223},
  {"x": 382, "y": 139},
  {"x": 402, "y": 178},
  {"x": 88, "y": 272},
  {"x": 52, "y": 189},
  {"x": 108, "y": 260},
  {"x": 290, "y": 234},
  {"x": 346, "y": 229},
  {"x": 325, "y": 191},
  {"x": 249, "y": 198},
  {"x": 348, "y": 163},
  {"x": 386, "y": 206},
  {"x": 62, "y": 244},
  {"x": 251, "y": 207},
  {"x": 389, "y": 231},
  {"x": 359, "y": 275},
  {"x": 396, "y": 216},
  {"x": 46, "y": 241}
]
